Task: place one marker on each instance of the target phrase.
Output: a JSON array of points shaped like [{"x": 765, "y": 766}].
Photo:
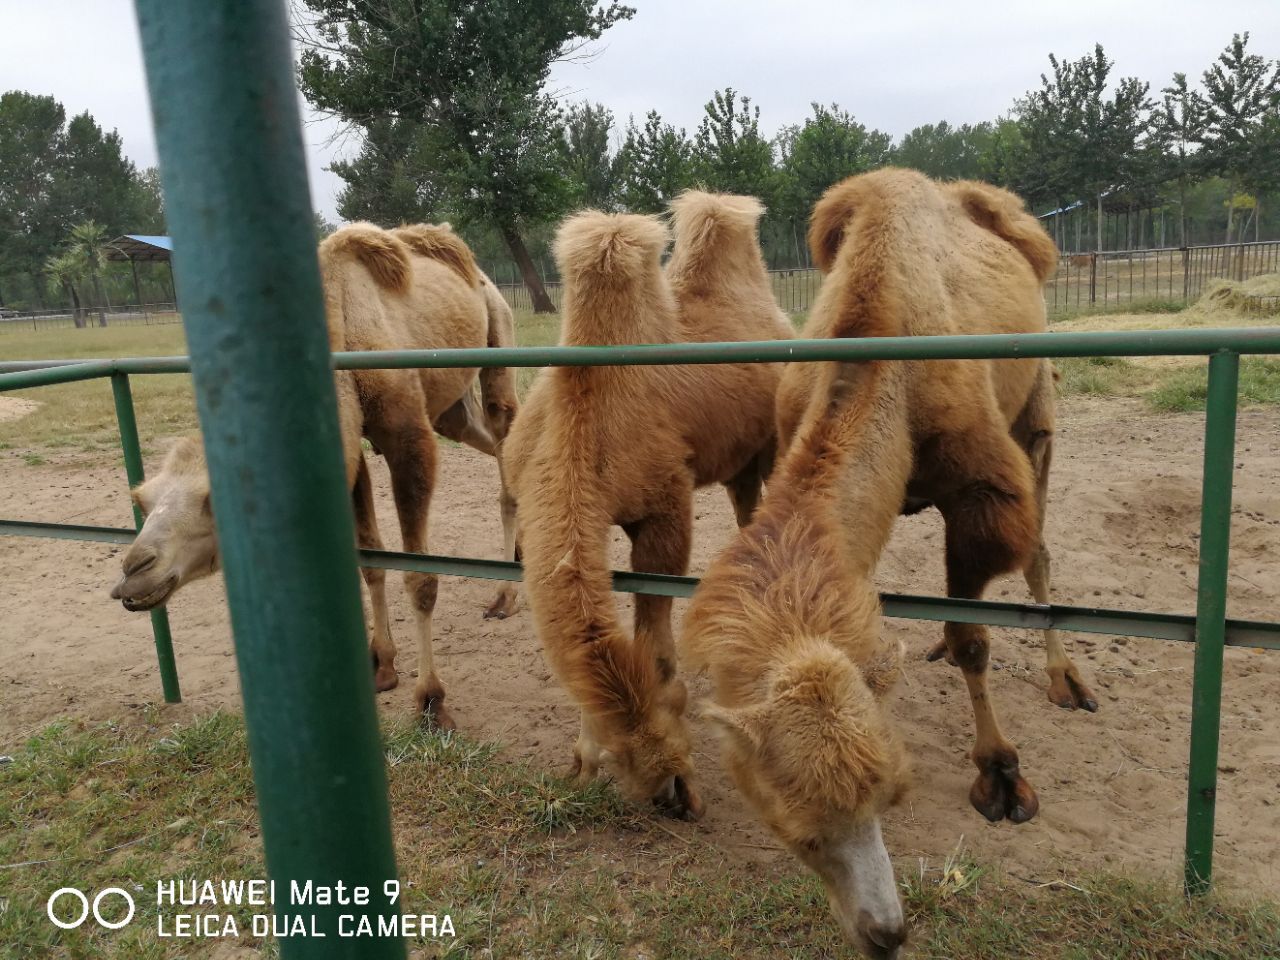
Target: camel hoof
[
  {"x": 432, "y": 712},
  {"x": 504, "y": 605},
  {"x": 682, "y": 802},
  {"x": 1068, "y": 691},
  {"x": 1000, "y": 792},
  {"x": 384, "y": 680},
  {"x": 940, "y": 652}
]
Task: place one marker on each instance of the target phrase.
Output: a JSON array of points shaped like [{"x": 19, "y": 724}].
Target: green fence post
[
  {"x": 229, "y": 138},
  {"x": 1211, "y": 613},
  {"x": 133, "y": 470}
]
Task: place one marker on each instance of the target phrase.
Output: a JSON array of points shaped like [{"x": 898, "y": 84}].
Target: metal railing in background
[
  {"x": 120, "y": 315},
  {"x": 1111, "y": 281}
]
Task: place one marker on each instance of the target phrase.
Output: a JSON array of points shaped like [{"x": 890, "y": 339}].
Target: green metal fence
[{"x": 230, "y": 146}]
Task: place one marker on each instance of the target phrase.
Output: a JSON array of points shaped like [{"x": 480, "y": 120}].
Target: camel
[
  {"x": 786, "y": 621},
  {"x": 413, "y": 287},
  {"x": 594, "y": 447},
  {"x": 989, "y": 290}
]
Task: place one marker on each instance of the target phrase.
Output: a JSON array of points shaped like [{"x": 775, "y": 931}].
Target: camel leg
[
  {"x": 660, "y": 543},
  {"x": 382, "y": 647},
  {"x": 466, "y": 423},
  {"x": 508, "y": 600},
  {"x": 744, "y": 489},
  {"x": 409, "y": 445},
  {"x": 1066, "y": 687},
  {"x": 990, "y": 529},
  {"x": 586, "y": 755}
]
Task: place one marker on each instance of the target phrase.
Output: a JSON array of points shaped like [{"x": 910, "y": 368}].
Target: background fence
[
  {"x": 1113, "y": 280},
  {"x": 126, "y": 315}
]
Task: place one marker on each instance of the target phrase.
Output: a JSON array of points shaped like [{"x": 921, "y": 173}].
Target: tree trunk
[
  {"x": 1182, "y": 211},
  {"x": 76, "y": 317},
  {"x": 537, "y": 292},
  {"x": 1099, "y": 246},
  {"x": 1231, "y": 206},
  {"x": 1257, "y": 217}
]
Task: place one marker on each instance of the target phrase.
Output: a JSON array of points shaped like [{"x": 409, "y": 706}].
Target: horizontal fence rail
[
  {"x": 1210, "y": 630},
  {"x": 1256, "y": 634}
]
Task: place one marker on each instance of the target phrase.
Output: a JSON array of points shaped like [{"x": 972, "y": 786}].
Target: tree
[
  {"x": 64, "y": 271},
  {"x": 473, "y": 76},
  {"x": 830, "y": 146},
  {"x": 1085, "y": 143},
  {"x": 945, "y": 152},
  {"x": 1177, "y": 125},
  {"x": 1240, "y": 91},
  {"x": 585, "y": 158},
  {"x": 729, "y": 152},
  {"x": 88, "y": 246},
  {"x": 654, "y": 164},
  {"x": 392, "y": 180}
]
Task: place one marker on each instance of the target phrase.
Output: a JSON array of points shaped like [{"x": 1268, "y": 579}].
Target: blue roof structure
[{"x": 140, "y": 247}]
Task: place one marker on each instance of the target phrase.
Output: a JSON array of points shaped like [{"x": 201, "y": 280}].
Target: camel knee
[
  {"x": 373, "y": 576},
  {"x": 423, "y": 589},
  {"x": 969, "y": 646}
]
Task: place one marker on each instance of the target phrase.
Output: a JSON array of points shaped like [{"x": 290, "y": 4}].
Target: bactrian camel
[
  {"x": 416, "y": 287},
  {"x": 786, "y": 621},
  {"x": 594, "y": 447},
  {"x": 991, "y": 270}
]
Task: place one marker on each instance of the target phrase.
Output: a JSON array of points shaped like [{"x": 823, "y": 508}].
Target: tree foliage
[
  {"x": 654, "y": 164},
  {"x": 472, "y": 77}
]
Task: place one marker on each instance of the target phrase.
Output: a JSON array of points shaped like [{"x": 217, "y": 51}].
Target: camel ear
[{"x": 745, "y": 727}]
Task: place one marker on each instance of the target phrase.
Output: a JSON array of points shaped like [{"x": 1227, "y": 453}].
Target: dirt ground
[{"x": 1123, "y": 527}]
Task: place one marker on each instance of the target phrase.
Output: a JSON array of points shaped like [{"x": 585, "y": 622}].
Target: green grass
[
  {"x": 81, "y": 416},
  {"x": 1140, "y": 305},
  {"x": 1171, "y": 389},
  {"x": 526, "y": 864}
]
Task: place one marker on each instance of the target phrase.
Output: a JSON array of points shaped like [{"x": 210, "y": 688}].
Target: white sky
[{"x": 894, "y": 65}]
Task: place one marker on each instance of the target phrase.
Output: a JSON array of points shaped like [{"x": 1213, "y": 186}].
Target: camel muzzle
[{"x": 134, "y": 601}]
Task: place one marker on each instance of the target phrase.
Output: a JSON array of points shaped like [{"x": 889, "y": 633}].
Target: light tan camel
[
  {"x": 786, "y": 621},
  {"x": 989, "y": 289},
  {"x": 594, "y": 447},
  {"x": 415, "y": 287},
  {"x": 788, "y": 629}
]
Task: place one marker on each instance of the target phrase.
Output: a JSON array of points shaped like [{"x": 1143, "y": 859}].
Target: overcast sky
[{"x": 894, "y": 65}]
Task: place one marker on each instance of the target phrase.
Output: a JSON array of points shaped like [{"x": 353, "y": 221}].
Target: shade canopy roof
[{"x": 140, "y": 248}]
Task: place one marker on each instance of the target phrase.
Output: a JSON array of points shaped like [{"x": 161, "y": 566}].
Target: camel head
[
  {"x": 177, "y": 542},
  {"x": 650, "y": 754},
  {"x": 818, "y": 761}
]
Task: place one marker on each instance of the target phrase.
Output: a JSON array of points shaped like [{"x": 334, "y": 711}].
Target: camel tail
[
  {"x": 612, "y": 279},
  {"x": 1002, "y": 213},
  {"x": 441, "y": 244},
  {"x": 381, "y": 253},
  {"x": 704, "y": 223},
  {"x": 498, "y": 384}
]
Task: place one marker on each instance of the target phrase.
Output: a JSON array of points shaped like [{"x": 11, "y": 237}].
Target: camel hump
[
  {"x": 440, "y": 243},
  {"x": 1002, "y": 213},
  {"x": 609, "y": 250},
  {"x": 378, "y": 251},
  {"x": 700, "y": 218}
]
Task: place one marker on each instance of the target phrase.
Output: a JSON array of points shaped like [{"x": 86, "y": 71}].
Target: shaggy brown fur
[
  {"x": 415, "y": 287},
  {"x": 788, "y": 629},
  {"x": 972, "y": 437},
  {"x": 627, "y": 446}
]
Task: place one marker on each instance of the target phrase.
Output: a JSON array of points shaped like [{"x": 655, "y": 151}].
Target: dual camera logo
[{"x": 84, "y": 909}]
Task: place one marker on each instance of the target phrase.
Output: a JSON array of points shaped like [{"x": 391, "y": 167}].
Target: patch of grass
[
  {"x": 83, "y": 414},
  {"x": 1187, "y": 389},
  {"x": 1145, "y": 305},
  {"x": 33, "y": 460},
  {"x": 525, "y": 864}
]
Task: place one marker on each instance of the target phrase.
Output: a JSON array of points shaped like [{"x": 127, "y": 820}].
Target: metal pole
[
  {"x": 229, "y": 138},
  {"x": 132, "y": 447},
  {"x": 1211, "y": 613}
]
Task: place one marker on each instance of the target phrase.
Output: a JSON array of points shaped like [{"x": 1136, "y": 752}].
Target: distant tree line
[
  {"x": 66, "y": 187},
  {"x": 457, "y": 125}
]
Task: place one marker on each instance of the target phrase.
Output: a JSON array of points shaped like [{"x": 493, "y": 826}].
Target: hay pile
[{"x": 1232, "y": 299}]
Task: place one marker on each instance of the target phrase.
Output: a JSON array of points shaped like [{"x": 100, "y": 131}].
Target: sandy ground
[
  {"x": 1122, "y": 528},
  {"x": 11, "y": 408}
]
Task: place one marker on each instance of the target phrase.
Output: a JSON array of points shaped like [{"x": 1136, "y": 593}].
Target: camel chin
[{"x": 156, "y": 597}]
